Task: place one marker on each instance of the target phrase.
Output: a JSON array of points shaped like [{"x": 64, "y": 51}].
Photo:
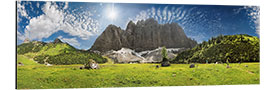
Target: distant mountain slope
[
  {"x": 33, "y": 47},
  {"x": 38, "y": 47},
  {"x": 56, "y": 52},
  {"x": 144, "y": 35},
  {"x": 232, "y": 48}
]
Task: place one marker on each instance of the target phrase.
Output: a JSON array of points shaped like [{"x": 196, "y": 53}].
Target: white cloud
[
  {"x": 255, "y": 17},
  {"x": 21, "y": 9},
  {"x": 71, "y": 41},
  {"x": 254, "y": 14},
  {"x": 44, "y": 25},
  {"x": 165, "y": 15},
  {"x": 66, "y": 5},
  {"x": 38, "y": 5},
  {"x": 159, "y": 14},
  {"x": 55, "y": 19},
  {"x": 20, "y": 36}
]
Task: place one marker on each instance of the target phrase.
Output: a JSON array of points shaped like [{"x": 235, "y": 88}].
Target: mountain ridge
[{"x": 144, "y": 35}]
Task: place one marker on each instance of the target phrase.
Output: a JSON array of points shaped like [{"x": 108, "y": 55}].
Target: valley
[
  {"x": 38, "y": 76},
  {"x": 145, "y": 54}
]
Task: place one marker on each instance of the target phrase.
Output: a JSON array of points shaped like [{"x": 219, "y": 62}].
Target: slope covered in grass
[
  {"x": 56, "y": 52},
  {"x": 231, "y": 48},
  {"x": 25, "y": 60}
]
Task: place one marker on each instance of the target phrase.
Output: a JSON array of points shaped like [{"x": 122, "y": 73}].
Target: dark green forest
[{"x": 229, "y": 48}]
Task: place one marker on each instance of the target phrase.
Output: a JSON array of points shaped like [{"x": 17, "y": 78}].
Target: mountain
[
  {"x": 144, "y": 35},
  {"x": 229, "y": 48},
  {"x": 52, "y": 48},
  {"x": 57, "y": 40},
  {"x": 56, "y": 52}
]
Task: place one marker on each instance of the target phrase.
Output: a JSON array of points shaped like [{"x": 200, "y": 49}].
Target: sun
[{"x": 112, "y": 13}]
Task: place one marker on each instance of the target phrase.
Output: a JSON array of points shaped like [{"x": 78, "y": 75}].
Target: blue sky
[{"x": 80, "y": 23}]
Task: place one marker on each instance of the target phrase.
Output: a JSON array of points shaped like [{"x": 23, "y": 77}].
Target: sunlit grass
[{"x": 135, "y": 75}]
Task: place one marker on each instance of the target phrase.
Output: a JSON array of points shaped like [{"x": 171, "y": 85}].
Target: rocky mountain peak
[
  {"x": 57, "y": 40},
  {"x": 130, "y": 26},
  {"x": 151, "y": 21},
  {"x": 26, "y": 40},
  {"x": 144, "y": 35}
]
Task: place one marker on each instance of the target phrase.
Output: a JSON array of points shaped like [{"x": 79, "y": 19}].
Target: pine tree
[{"x": 164, "y": 52}]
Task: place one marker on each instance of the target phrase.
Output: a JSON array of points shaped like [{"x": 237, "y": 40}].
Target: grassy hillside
[
  {"x": 230, "y": 48},
  {"x": 56, "y": 53},
  {"x": 25, "y": 60},
  {"x": 135, "y": 75}
]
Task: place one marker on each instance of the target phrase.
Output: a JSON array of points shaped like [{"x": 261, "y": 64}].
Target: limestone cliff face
[{"x": 144, "y": 35}]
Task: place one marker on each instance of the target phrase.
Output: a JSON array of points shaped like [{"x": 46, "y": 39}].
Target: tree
[
  {"x": 164, "y": 52},
  {"x": 165, "y": 62}
]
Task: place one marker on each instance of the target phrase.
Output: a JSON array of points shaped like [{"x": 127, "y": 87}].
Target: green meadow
[{"x": 37, "y": 76}]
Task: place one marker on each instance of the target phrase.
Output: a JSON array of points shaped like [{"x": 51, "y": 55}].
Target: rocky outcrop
[
  {"x": 57, "y": 40},
  {"x": 155, "y": 55},
  {"x": 125, "y": 55},
  {"x": 144, "y": 35}
]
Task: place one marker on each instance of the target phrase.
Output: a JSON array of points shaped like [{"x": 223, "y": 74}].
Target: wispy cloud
[
  {"x": 254, "y": 15},
  {"x": 20, "y": 36},
  {"x": 21, "y": 9},
  {"x": 162, "y": 15},
  {"x": 186, "y": 18},
  {"x": 196, "y": 22},
  {"x": 71, "y": 41}
]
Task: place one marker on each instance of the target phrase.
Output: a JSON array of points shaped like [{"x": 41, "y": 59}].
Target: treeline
[
  {"x": 231, "y": 48},
  {"x": 79, "y": 57},
  {"x": 58, "y": 53}
]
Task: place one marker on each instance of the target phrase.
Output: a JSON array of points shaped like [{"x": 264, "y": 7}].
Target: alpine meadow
[{"x": 104, "y": 45}]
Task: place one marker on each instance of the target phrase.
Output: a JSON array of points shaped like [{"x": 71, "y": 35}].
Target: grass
[
  {"x": 23, "y": 59},
  {"x": 49, "y": 49},
  {"x": 37, "y": 76}
]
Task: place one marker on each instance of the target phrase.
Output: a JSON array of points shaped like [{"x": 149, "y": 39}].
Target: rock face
[
  {"x": 57, "y": 41},
  {"x": 144, "y": 35},
  {"x": 91, "y": 64},
  {"x": 125, "y": 55},
  {"x": 155, "y": 55}
]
